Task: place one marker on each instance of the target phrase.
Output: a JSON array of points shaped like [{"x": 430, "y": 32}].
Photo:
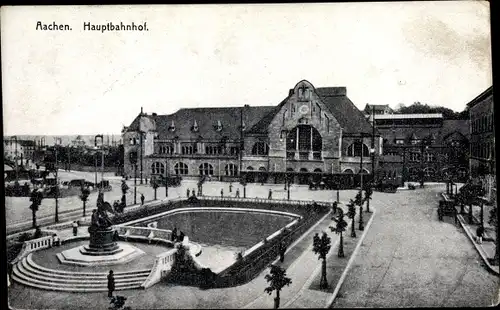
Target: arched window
[
  {"x": 364, "y": 171},
  {"x": 181, "y": 169},
  {"x": 260, "y": 148},
  {"x": 304, "y": 138},
  {"x": 206, "y": 169},
  {"x": 157, "y": 168},
  {"x": 348, "y": 171},
  {"x": 317, "y": 170},
  {"x": 262, "y": 169},
  {"x": 250, "y": 168},
  {"x": 231, "y": 170},
  {"x": 355, "y": 149}
]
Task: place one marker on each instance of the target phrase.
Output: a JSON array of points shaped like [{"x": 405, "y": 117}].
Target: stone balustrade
[{"x": 34, "y": 245}]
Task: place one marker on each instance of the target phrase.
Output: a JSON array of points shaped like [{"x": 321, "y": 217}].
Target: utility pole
[
  {"x": 135, "y": 184},
  {"x": 361, "y": 162},
  {"x": 57, "y": 185},
  {"x": 166, "y": 177},
  {"x": 373, "y": 144}
]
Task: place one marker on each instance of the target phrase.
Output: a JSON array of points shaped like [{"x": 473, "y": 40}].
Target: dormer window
[
  {"x": 172, "y": 126},
  {"x": 195, "y": 128},
  {"x": 218, "y": 127}
]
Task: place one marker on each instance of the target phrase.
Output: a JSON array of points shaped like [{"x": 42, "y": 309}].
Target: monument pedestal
[
  {"x": 102, "y": 250},
  {"x": 102, "y": 242}
]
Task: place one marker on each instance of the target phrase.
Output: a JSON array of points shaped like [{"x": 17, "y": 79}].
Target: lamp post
[
  {"x": 403, "y": 173},
  {"x": 15, "y": 156},
  {"x": 57, "y": 183},
  {"x": 133, "y": 161},
  {"x": 283, "y": 136},
  {"x": 424, "y": 145},
  {"x": 166, "y": 177},
  {"x": 361, "y": 164},
  {"x": 102, "y": 157}
]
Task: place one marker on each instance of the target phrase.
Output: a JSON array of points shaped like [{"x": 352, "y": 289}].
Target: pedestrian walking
[
  {"x": 237, "y": 193},
  {"x": 479, "y": 234},
  {"x": 193, "y": 192},
  {"x": 230, "y": 187},
  {"x": 181, "y": 236},
  {"x": 55, "y": 240},
  {"x": 142, "y": 199},
  {"x": 173, "y": 238},
  {"x": 75, "y": 228},
  {"x": 111, "y": 283},
  {"x": 187, "y": 193},
  {"x": 221, "y": 193},
  {"x": 270, "y": 196},
  {"x": 146, "y": 180}
]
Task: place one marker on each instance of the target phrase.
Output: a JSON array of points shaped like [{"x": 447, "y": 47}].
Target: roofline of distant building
[
  {"x": 407, "y": 116},
  {"x": 480, "y": 97}
]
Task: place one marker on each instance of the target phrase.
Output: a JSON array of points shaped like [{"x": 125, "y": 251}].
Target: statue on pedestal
[{"x": 100, "y": 218}]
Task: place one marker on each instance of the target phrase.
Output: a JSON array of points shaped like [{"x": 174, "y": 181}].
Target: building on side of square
[
  {"x": 482, "y": 147},
  {"x": 423, "y": 146},
  {"x": 312, "y": 131}
]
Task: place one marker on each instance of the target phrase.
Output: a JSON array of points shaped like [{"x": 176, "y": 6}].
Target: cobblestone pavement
[{"x": 410, "y": 259}]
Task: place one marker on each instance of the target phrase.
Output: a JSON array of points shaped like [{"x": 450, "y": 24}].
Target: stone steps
[{"x": 28, "y": 273}]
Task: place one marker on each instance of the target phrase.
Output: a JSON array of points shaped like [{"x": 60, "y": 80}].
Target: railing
[
  {"x": 147, "y": 232},
  {"x": 303, "y": 155},
  {"x": 317, "y": 155},
  {"x": 263, "y": 200},
  {"x": 163, "y": 264},
  {"x": 33, "y": 246}
]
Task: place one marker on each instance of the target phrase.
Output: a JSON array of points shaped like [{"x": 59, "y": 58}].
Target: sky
[{"x": 88, "y": 82}]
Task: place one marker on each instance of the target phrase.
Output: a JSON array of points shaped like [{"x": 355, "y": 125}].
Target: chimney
[
  {"x": 141, "y": 110},
  {"x": 290, "y": 92}
]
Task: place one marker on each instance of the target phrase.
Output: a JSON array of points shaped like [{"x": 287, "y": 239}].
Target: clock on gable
[{"x": 304, "y": 109}]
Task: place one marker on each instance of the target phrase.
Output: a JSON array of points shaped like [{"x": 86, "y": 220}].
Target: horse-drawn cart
[{"x": 447, "y": 208}]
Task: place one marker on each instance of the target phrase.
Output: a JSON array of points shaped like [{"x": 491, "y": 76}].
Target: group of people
[
  {"x": 177, "y": 235},
  {"x": 192, "y": 193}
]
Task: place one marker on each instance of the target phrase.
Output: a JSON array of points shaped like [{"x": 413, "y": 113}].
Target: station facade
[{"x": 312, "y": 132}]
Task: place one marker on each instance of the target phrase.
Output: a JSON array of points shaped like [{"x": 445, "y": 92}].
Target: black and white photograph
[{"x": 249, "y": 156}]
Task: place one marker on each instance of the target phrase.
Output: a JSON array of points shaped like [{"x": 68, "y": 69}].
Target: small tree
[
  {"x": 118, "y": 302},
  {"x": 277, "y": 279},
  {"x": 321, "y": 246},
  {"x": 339, "y": 229},
  {"x": 351, "y": 213},
  {"x": 155, "y": 185},
  {"x": 368, "y": 197},
  {"x": 36, "y": 201},
  {"x": 85, "y": 192},
  {"x": 124, "y": 188}
]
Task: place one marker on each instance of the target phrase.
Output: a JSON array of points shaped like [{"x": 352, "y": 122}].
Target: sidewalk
[
  {"x": 306, "y": 266},
  {"x": 485, "y": 249}
]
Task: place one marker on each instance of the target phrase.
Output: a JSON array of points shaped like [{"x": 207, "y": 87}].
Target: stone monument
[
  {"x": 102, "y": 234},
  {"x": 103, "y": 248}
]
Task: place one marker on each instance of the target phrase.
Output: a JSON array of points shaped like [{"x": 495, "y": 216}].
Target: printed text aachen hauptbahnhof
[{"x": 88, "y": 26}]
